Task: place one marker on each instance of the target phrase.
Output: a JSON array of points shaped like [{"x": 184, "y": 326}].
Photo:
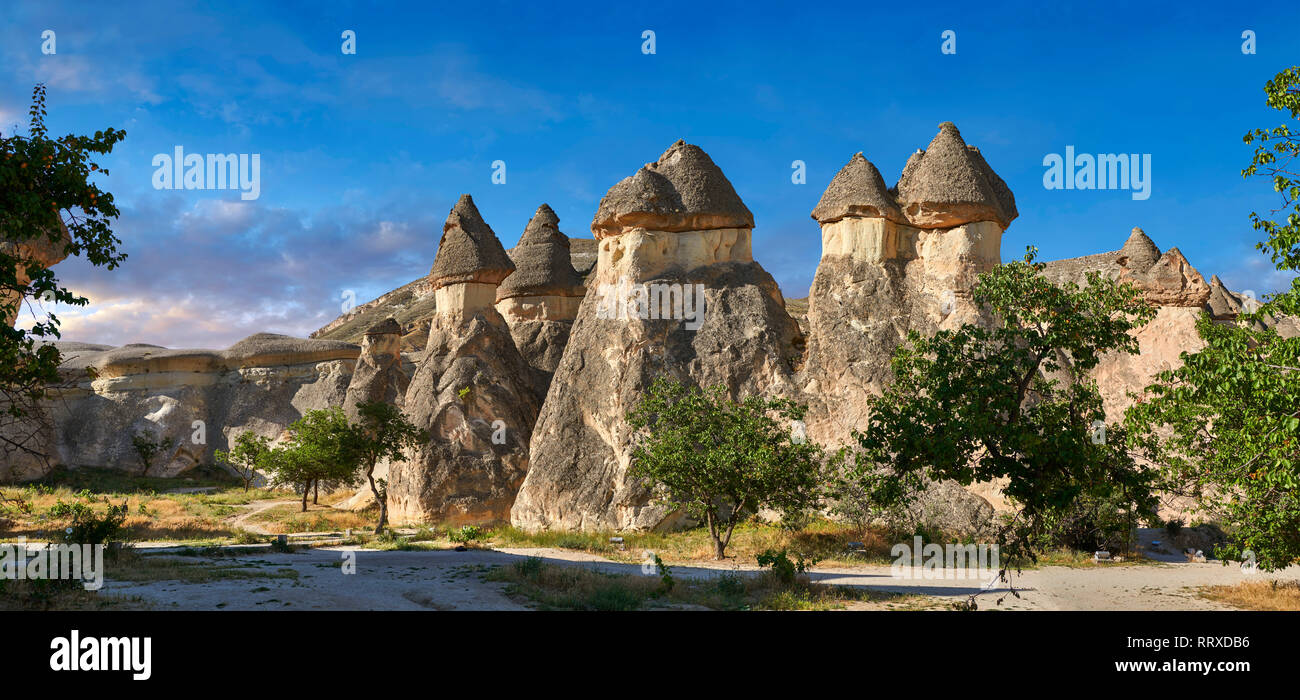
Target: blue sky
[{"x": 363, "y": 155}]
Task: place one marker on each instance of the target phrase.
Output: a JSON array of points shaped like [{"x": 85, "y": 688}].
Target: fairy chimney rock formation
[
  {"x": 671, "y": 236},
  {"x": 470, "y": 262},
  {"x": 378, "y": 375},
  {"x": 540, "y": 298},
  {"x": 472, "y": 393},
  {"x": 895, "y": 260},
  {"x": 678, "y": 212}
]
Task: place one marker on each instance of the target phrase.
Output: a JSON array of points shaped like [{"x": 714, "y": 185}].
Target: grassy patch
[
  {"x": 61, "y": 595},
  {"x": 38, "y": 509},
  {"x": 130, "y": 566},
  {"x": 563, "y": 587},
  {"x": 825, "y": 541},
  {"x": 288, "y": 518},
  {"x": 1257, "y": 595}
]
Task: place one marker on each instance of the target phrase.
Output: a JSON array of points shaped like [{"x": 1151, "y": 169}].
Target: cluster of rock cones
[{"x": 523, "y": 383}]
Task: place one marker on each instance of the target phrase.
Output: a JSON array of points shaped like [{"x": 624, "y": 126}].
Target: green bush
[
  {"x": 783, "y": 568},
  {"x": 89, "y": 527}
]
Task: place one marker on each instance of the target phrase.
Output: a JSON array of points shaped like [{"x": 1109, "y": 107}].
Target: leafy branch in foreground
[
  {"x": 1014, "y": 402},
  {"x": 1226, "y": 424}
]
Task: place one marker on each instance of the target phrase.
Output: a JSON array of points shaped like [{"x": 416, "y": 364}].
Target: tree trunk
[
  {"x": 315, "y": 492},
  {"x": 382, "y": 501},
  {"x": 718, "y": 548},
  {"x": 306, "y": 491}
]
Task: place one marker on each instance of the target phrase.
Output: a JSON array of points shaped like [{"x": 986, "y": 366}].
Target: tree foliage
[
  {"x": 381, "y": 432},
  {"x": 148, "y": 447},
  {"x": 320, "y": 449},
  {"x": 723, "y": 460},
  {"x": 45, "y": 186},
  {"x": 249, "y": 455},
  {"x": 1013, "y": 402},
  {"x": 1226, "y": 424}
]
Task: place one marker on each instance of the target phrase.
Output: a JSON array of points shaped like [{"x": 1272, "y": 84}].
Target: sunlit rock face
[
  {"x": 472, "y": 393},
  {"x": 1169, "y": 283},
  {"x": 541, "y": 297},
  {"x": 676, "y": 227},
  {"x": 895, "y": 260}
]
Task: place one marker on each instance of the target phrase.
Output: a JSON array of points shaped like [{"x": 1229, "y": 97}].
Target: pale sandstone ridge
[
  {"x": 260, "y": 384},
  {"x": 472, "y": 393},
  {"x": 1179, "y": 293},
  {"x": 676, "y": 223},
  {"x": 894, "y": 261},
  {"x": 1165, "y": 279},
  {"x": 541, "y": 297}
]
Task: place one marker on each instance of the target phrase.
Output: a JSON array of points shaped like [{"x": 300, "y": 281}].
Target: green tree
[
  {"x": 381, "y": 432},
  {"x": 147, "y": 448},
  {"x": 291, "y": 467},
  {"x": 247, "y": 456},
  {"x": 321, "y": 448},
  {"x": 723, "y": 460},
  {"x": 45, "y": 188},
  {"x": 1225, "y": 426},
  {"x": 1014, "y": 402}
]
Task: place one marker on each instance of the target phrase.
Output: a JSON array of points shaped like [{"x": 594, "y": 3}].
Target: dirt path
[
  {"x": 244, "y": 520},
  {"x": 450, "y": 580}
]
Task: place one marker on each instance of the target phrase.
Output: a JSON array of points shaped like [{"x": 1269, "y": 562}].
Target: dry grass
[
  {"x": 61, "y": 595},
  {"x": 1257, "y": 595},
  {"x": 289, "y": 518},
  {"x": 31, "y": 511},
  {"x": 825, "y": 541}
]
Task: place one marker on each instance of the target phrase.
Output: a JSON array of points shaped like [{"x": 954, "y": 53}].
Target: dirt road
[{"x": 450, "y": 580}]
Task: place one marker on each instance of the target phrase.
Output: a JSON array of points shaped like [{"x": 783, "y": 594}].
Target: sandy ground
[{"x": 451, "y": 580}]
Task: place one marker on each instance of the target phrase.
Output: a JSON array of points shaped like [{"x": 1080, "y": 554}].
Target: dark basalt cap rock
[
  {"x": 950, "y": 184},
  {"x": 542, "y": 262},
  {"x": 857, "y": 190},
  {"x": 469, "y": 250},
  {"x": 388, "y": 326},
  {"x": 1141, "y": 252},
  {"x": 683, "y": 191}
]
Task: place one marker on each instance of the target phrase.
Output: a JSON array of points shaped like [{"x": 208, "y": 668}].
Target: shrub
[
  {"x": 89, "y": 527},
  {"x": 783, "y": 568}
]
